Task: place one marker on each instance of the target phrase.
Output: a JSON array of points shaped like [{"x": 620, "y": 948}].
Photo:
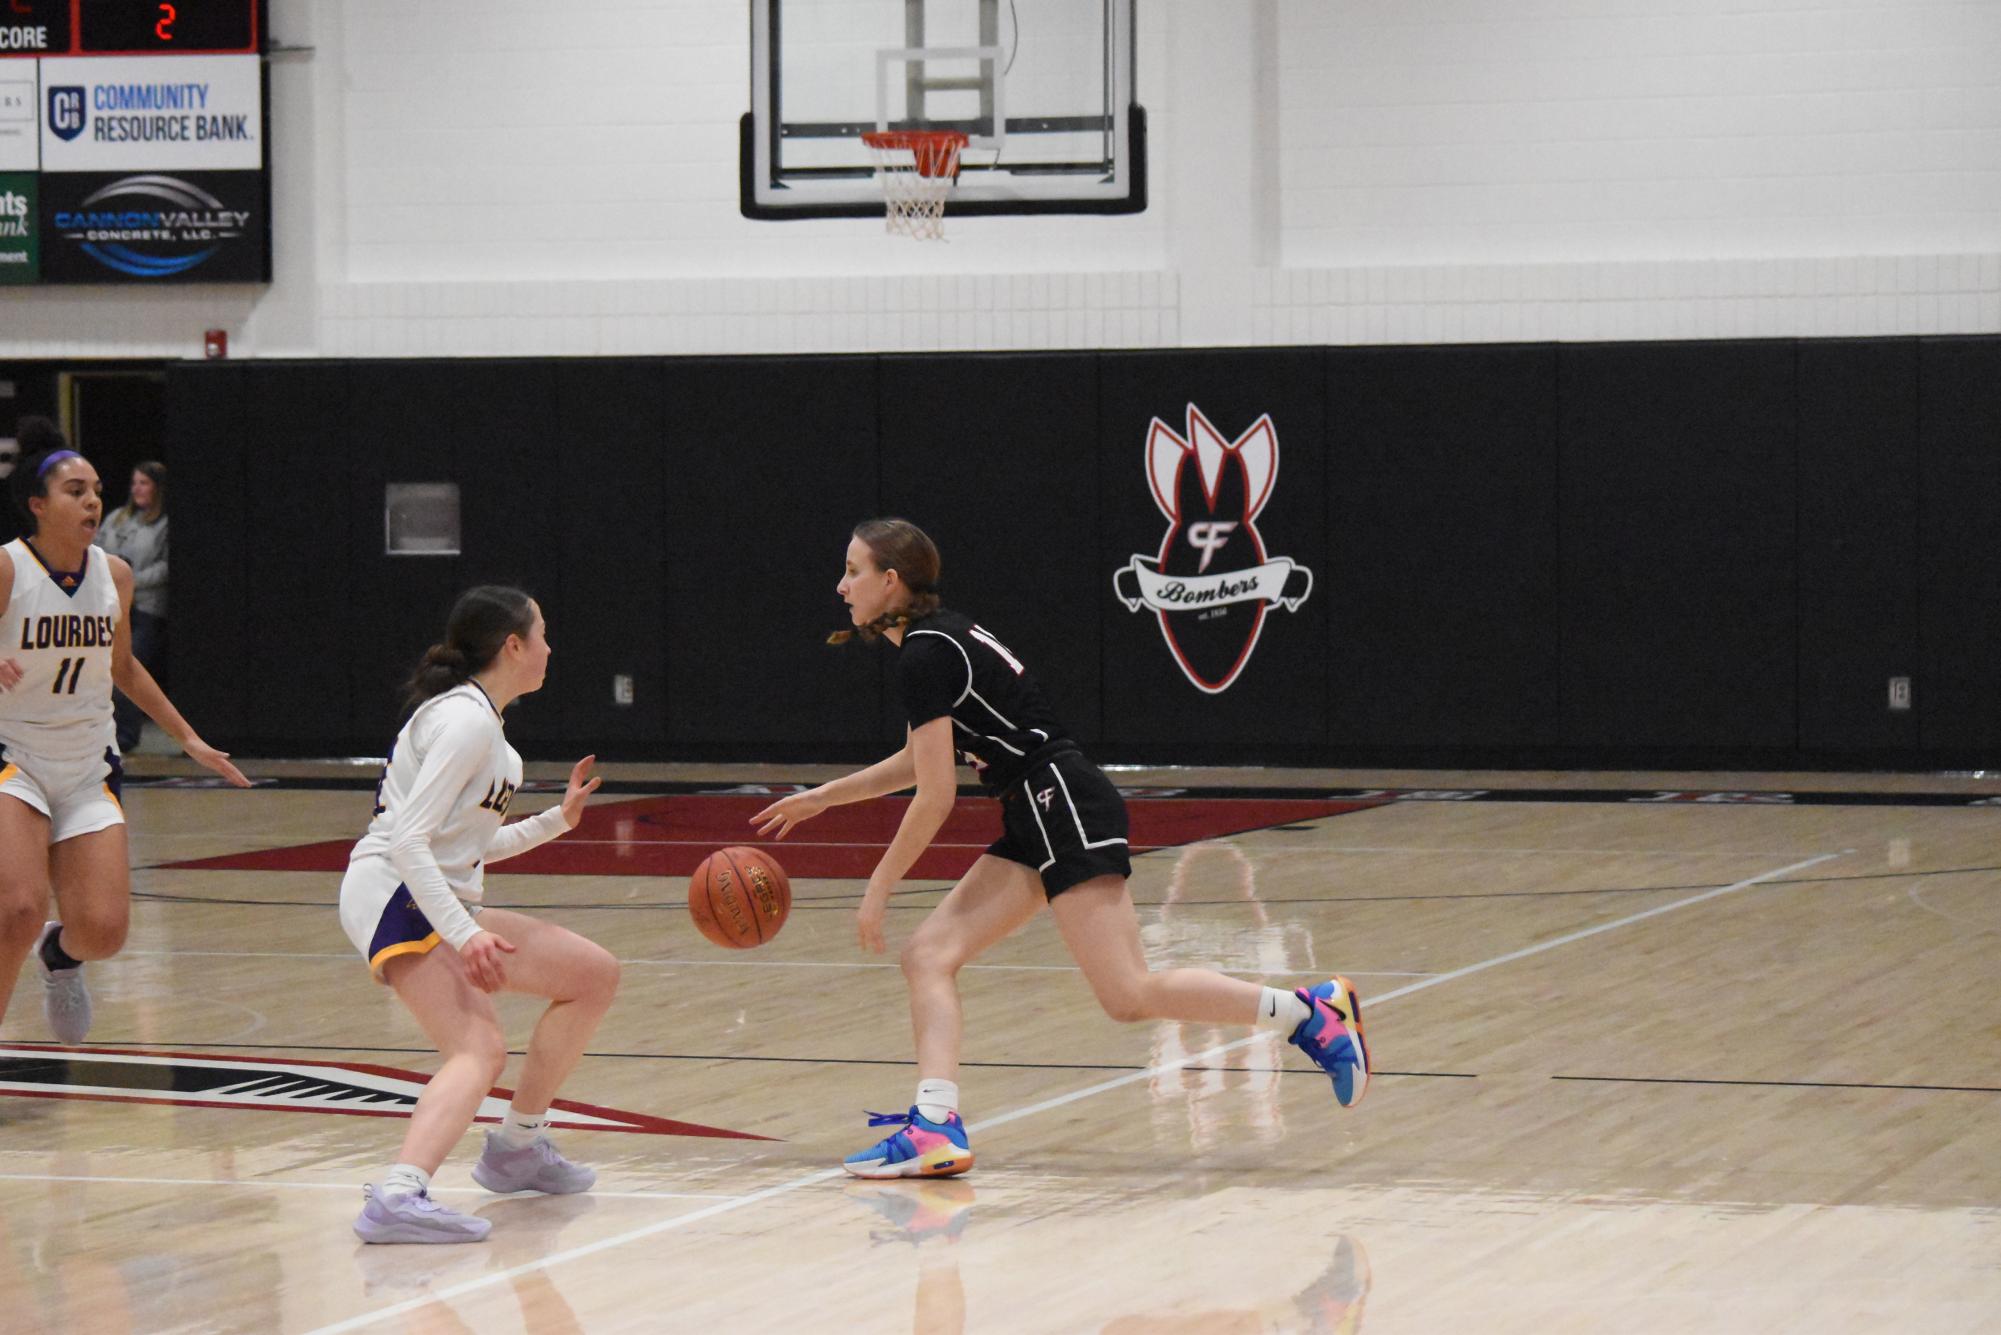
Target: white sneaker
[
  {"x": 65, "y": 996},
  {"x": 414, "y": 1217}
]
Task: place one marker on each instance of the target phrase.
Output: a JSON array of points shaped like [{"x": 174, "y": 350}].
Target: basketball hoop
[{"x": 917, "y": 168}]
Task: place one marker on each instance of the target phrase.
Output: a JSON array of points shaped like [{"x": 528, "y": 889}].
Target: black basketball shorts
[{"x": 1066, "y": 820}]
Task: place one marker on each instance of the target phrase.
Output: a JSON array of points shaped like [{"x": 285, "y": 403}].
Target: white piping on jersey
[
  {"x": 1079, "y": 820},
  {"x": 969, "y": 691},
  {"x": 962, "y": 653},
  {"x": 989, "y": 736},
  {"x": 1043, "y": 830}
]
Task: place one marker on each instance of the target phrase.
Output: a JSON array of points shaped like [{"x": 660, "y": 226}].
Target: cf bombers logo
[{"x": 1212, "y": 582}]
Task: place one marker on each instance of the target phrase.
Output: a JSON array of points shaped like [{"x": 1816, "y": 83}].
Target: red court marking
[
  {"x": 144, "y": 1070},
  {"x": 669, "y": 836}
]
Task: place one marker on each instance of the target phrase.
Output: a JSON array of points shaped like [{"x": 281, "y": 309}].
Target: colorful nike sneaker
[
  {"x": 1332, "y": 1037},
  {"x": 919, "y": 1148}
]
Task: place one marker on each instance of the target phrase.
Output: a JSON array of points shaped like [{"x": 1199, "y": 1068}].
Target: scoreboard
[{"x": 133, "y": 142}]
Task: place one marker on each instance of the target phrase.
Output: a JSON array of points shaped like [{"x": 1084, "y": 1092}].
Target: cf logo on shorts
[
  {"x": 1210, "y": 535},
  {"x": 1044, "y": 796}
]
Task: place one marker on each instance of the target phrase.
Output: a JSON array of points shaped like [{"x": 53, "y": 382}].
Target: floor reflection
[{"x": 932, "y": 1218}]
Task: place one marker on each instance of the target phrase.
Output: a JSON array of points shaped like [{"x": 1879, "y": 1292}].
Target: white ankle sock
[
  {"x": 1281, "y": 1010},
  {"x": 937, "y": 1098},
  {"x": 518, "y": 1128},
  {"x": 405, "y": 1179}
]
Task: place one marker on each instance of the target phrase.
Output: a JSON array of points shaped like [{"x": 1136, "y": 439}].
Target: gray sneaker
[
  {"x": 414, "y": 1217},
  {"x": 536, "y": 1166},
  {"x": 65, "y": 996}
]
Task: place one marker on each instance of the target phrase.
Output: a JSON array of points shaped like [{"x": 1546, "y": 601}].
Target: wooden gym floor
[{"x": 1658, "y": 1053}]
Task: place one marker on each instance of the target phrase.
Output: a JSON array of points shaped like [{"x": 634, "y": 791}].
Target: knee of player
[
  {"x": 488, "y": 1046},
  {"x": 21, "y": 917},
  {"x": 923, "y": 956},
  {"x": 94, "y": 936},
  {"x": 1125, "y": 1004},
  {"x": 601, "y": 975}
]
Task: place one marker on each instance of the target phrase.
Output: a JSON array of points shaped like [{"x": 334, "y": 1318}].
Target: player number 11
[{"x": 75, "y": 674}]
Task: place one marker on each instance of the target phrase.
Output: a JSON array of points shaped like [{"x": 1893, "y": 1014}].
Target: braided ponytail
[
  {"x": 478, "y": 628},
  {"x": 899, "y": 545}
]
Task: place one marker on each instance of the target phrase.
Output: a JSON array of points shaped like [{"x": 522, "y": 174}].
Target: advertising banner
[
  {"x": 100, "y": 227},
  {"x": 20, "y": 123},
  {"x": 141, "y": 113},
  {"x": 19, "y": 257}
]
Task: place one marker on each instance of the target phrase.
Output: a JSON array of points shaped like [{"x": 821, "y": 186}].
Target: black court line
[
  {"x": 1778, "y": 1084},
  {"x": 720, "y": 1057},
  {"x": 1613, "y": 796}
]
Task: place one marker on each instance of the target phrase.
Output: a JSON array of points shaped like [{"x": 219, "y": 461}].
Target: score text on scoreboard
[{"x": 129, "y": 27}]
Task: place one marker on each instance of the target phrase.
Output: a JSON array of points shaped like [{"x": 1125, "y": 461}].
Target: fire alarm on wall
[{"x": 215, "y": 344}]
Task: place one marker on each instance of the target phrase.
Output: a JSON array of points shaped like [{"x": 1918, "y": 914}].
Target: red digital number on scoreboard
[{"x": 153, "y": 27}]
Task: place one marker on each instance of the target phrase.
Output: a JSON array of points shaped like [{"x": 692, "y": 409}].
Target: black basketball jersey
[{"x": 999, "y": 715}]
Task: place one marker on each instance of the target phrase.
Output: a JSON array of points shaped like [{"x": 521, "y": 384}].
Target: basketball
[{"x": 739, "y": 897}]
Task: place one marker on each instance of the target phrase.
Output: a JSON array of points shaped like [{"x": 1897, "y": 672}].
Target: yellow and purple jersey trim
[{"x": 402, "y": 930}]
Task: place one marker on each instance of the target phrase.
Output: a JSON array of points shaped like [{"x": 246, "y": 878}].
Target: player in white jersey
[
  {"x": 64, "y": 643},
  {"x": 414, "y": 884}
]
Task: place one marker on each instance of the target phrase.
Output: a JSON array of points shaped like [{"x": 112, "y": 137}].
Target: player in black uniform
[{"x": 1063, "y": 841}]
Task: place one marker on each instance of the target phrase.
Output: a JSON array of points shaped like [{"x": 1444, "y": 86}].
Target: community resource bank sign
[
  {"x": 1213, "y": 581},
  {"x": 190, "y": 113}
]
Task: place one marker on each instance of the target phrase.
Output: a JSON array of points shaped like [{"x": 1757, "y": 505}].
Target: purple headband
[{"x": 53, "y": 460}]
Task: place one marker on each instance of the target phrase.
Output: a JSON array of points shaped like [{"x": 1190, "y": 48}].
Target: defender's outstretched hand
[{"x": 582, "y": 785}]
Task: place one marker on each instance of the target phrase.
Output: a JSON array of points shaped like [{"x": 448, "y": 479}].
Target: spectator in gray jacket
[{"x": 137, "y": 531}]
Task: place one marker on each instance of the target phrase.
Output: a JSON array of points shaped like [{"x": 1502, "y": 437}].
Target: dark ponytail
[
  {"x": 477, "y": 630},
  {"x": 899, "y": 545}
]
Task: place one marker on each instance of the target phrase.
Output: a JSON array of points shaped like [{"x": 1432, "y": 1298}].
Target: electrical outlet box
[
  {"x": 1900, "y": 694},
  {"x": 621, "y": 689}
]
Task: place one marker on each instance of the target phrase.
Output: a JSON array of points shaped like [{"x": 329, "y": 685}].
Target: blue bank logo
[{"x": 66, "y": 114}]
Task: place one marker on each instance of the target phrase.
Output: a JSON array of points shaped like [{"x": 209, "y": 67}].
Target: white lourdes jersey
[
  {"x": 59, "y": 626},
  {"x": 439, "y": 814}
]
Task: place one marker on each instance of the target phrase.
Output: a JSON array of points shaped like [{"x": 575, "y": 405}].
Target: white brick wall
[
  {"x": 1437, "y": 170},
  {"x": 1567, "y": 131}
]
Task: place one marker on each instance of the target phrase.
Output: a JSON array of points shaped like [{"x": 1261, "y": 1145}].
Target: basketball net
[{"x": 918, "y": 169}]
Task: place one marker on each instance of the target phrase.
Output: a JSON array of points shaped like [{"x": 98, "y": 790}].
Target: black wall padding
[
  {"x": 768, "y": 464},
  {"x": 1858, "y": 542},
  {"x": 1153, "y": 705},
  {"x": 210, "y": 557},
  {"x": 1690, "y": 553},
  {"x": 1443, "y": 538},
  {"x": 1960, "y": 581},
  {"x": 307, "y": 621},
  {"x": 996, "y": 458},
  {"x": 1678, "y": 510},
  {"x": 488, "y": 425},
  {"x": 602, "y": 489}
]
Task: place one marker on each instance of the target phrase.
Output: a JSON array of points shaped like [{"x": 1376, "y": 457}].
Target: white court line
[
  {"x": 1089, "y": 1091},
  {"x": 336, "y": 1186},
  {"x": 724, "y": 963}
]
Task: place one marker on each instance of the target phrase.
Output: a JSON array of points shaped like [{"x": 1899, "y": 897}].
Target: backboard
[{"x": 1043, "y": 88}]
